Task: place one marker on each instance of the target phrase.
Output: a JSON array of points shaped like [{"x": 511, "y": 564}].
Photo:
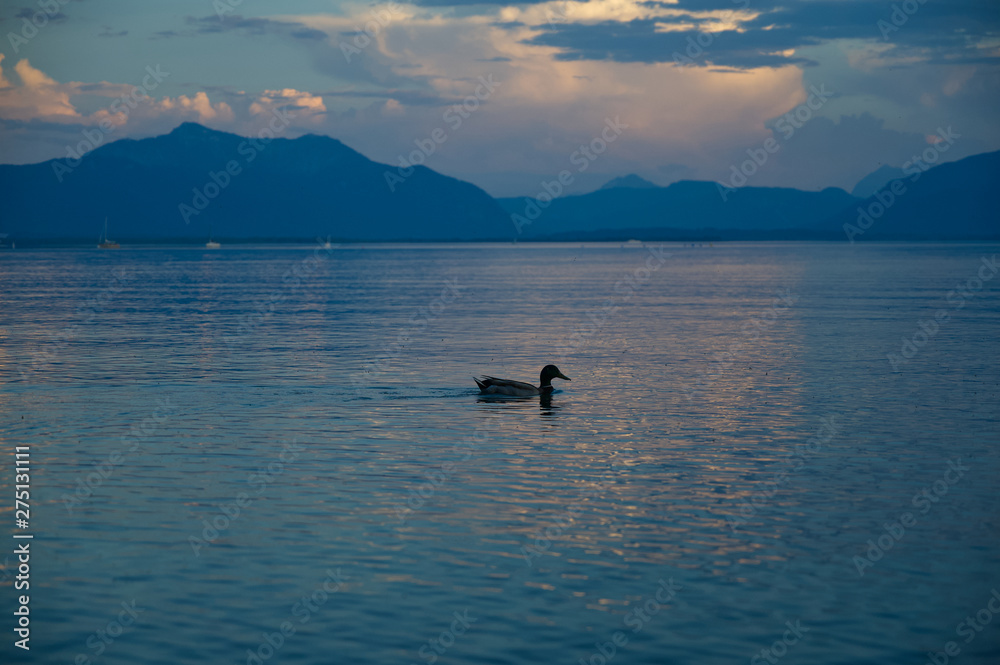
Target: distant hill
[
  {"x": 177, "y": 187},
  {"x": 285, "y": 189},
  {"x": 957, "y": 200},
  {"x": 630, "y": 180},
  {"x": 953, "y": 201},
  {"x": 876, "y": 180},
  {"x": 684, "y": 205}
]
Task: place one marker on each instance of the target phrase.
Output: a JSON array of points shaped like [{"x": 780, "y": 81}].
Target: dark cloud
[
  {"x": 638, "y": 41},
  {"x": 405, "y": 97},
  {"x": 944, "y": 33},
  {"x": 211, "y": 25},
  {"x": 29, "y": 12},
  {"x": 251, "y": 25},
  {"x": 472, "y": 3},
  {"x": 307, "y": 33},
  {"x": 108, "y": 32}
]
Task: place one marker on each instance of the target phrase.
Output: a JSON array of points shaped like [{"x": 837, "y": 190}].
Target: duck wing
[{"x": 490, "y": 385}]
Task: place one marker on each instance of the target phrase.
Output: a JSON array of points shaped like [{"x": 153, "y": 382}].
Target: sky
[{"x": 820, "y": 93}]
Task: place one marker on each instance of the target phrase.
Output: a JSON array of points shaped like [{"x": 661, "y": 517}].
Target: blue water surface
[{"x": 277, "y": 454}]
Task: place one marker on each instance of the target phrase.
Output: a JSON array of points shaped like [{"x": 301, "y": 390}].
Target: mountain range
[{"x": 196, "y": 183}]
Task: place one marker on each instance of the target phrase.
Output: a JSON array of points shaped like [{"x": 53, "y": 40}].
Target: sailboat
[
  {"x": 105, "y": 243},
  {"x": 211, "y": 244}
]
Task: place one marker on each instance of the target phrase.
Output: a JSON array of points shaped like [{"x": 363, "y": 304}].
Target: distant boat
[
  {"x": 211, "y": 244},
  {"x": 105, "y": 243}
]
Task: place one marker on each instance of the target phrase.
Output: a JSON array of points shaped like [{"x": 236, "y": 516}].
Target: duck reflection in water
[{"x": 546, "y": 407}]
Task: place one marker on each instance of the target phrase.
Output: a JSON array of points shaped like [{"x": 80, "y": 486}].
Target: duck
[{"x": 490, "y": 385}]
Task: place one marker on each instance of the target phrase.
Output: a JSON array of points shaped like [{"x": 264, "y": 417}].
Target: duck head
[{"x": 550, "y": 372}]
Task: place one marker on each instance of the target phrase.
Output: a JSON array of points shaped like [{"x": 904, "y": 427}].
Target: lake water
[{"x": 238, "y": 442}]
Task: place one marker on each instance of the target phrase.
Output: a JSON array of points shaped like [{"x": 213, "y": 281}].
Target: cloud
[
  {"x": 199, "y": 106},
  {"x": 305, "y": 106},
  {"x": 30, "y": 12},
  {"x": 216, "y": 24},
  {"x": 407, "y": 97},
  {"x": 769, "y": 34},
  {"x": 108, "y": 32},
  {"x": 36, "y": 97},
  {"x": 473, "y": 3},
  {"x": 251, "y": 25},
  {"x": 643, "y": 40}
]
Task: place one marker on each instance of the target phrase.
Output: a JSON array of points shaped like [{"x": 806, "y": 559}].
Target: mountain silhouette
[
  {"x": 876, "y": 180},
  {"x": 685, "y": 205},
  {"x": 630, "y": 180},
  {"x": 953, "y": 201},
  {"x": 177, "y": 186},
  {"x": 196, "y": 182}
]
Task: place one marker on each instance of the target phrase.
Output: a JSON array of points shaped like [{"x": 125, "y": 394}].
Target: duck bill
[{"x": 560, "y": 375}]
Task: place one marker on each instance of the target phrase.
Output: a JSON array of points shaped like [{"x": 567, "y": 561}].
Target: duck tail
[{"x": 481, "y": 384}]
